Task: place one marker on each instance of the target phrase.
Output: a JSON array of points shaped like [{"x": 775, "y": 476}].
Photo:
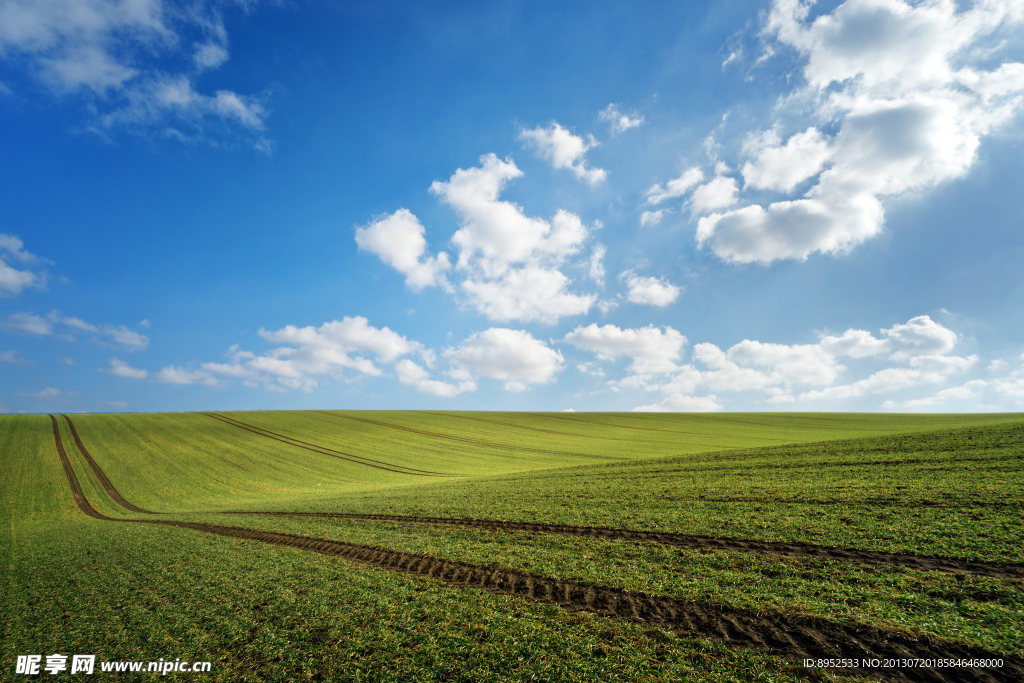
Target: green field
[{"x": 781, "y": 530}]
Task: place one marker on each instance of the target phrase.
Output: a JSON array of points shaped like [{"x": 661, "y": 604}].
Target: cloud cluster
[
  {"x": 1005, "y": 387},
  {"x": 304, "y": 356},
  {"x": 13, "y": 280},
  {"x": 513, "y": 356},
  {"x": 651, "y": 350},
  {"x": 510, "y": 264},
  {"x": 921, "y": 349},
  {"x": 909, "y": 90},
  {"x": 55, "y": 324},
  {"x": 651, "y": 291},
  {"x": 564, "y": 150},
  {"x": 398, "y": 240},
  {"x": 619, "y": 122},
  {"x": 118, "y": 53}
]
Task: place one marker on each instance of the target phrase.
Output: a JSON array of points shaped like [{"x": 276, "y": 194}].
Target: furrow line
[
  {"x": 463, "y": 439},
  {"x": 341, "y": 455},
  {"x": 872, "y": 558}
]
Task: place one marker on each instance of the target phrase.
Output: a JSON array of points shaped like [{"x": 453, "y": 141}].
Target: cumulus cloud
[
  {"x": 651, "y": 291},
  {"x": 136, "y": 62},
  {"x": 511, "y": 262},
  {"x": 774, "y": 166},
  {"x": 306, "y": 355},
  {"x": 398, "y": 240},
  {"x": 411, "y": 373},
  {"x": 968, "y": 391},
  {"x": 175, "y": 375},
  {"x": 906, "y": 89},
  {"x": 653, "y": 217},
  {"x": 677, "y": 187},
  {"x": 715, "y": 194},
  {"x": 778, "y": 373},
  {"x": 619, "y": 122},
  {"x": 120, "y": 368},
  {"x": 651, "y": 350},
  {"x": 564, "y": 150},
  {"x": 679, "y": 403},
  {"x": 13, "y": 280},
  {"x": 55, "y": 324},
  {"x": 513, "y": 356}
]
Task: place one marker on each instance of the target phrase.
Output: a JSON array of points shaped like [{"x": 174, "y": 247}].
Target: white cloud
[
  {"x": 564, "y": 150},
  {"x": 715, "y": 194},
  {"x": 589, "y": 368},
  {"x": 904, "y": 87},
  {"x": 512, "y": 356},
  {"x": 14, "y": 358},
  {"x": 969, "y": 391},
  {"x": 775, "y": 372},
  {"x": 119, "y": 368},
  {"x": 398, "y": 240},
  {"x": 674, "y": 188},
  {"x": 136, "y": 58},
  {"x": 530, "y": 293},
  {"x": 855, "y": 344},
  {"x": 597, "y": 271},
  {"x": 210, "y": 55},
  {"x": 12, "y": 280},
  {"x": 48, "y": 394},
  {"x": 308, "y": 354},
  {"x": 55, "y": 324},
  {"x": 782, "y": 167},
  {"x": 651, "y": 349},
  {"x": 411, "y": 373},
  {"x": 920, "y": 336},
  {"x": 511, "y": 262},
  {"x": 27, "y": 323},
  {"x": 619, "y": 122},
  {"x": 652, "y": 291},
  {"x": 680, "y": 403},
  {"x": 653, "y": 217},
  {"x": 176, "y": 375}
]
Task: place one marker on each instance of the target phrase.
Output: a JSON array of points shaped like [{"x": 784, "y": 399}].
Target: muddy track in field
[
  {"x": 849, "y": 555},
  {"x": 323, "y": 450},
  {"x": 791, "y": 637},
  {"x": 467, "y": 440},
  {"x": 108, "y": 486}
]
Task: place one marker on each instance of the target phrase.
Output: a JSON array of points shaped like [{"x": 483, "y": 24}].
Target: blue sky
[{"x": 773, "y": 205}]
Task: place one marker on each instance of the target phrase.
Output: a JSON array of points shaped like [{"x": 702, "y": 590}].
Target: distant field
[{"x": 502, "y": 546}]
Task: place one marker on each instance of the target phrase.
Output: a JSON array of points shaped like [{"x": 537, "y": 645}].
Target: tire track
[
  {"x": 108, "y": 486},
  {"x": 323, "y": 450},
  {"x": 788, "y": 636},
  {"x": 872, "y": 558},
  {"x": 463, "y": 439}
]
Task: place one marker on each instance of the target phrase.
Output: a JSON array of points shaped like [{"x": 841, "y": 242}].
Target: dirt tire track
[
  {"x": 791, "y": 637},
  {"x": 108, "y": 486},
  {"x": 322, "y": 450},
  {"x": 462, "y": 439},
  {"x": 872, "y": 558}
]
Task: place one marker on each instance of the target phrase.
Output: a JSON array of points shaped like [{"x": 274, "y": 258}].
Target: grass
[{"x": 941, "y": 485}]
